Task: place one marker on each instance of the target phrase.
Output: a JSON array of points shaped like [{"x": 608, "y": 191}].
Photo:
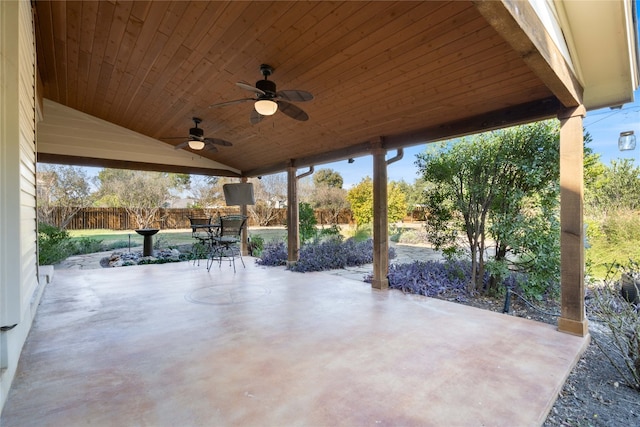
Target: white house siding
[{"x": 19, "y": 286}]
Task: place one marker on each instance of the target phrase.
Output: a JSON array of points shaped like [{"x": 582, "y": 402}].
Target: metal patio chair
[
  {"x": 201, "y": 233},
  {"x": 226, "y": 244}
]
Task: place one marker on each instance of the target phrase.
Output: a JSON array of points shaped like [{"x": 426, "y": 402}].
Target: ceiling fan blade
[
  {"x": 255, "y": 117},
  {"x": 294, "y": 95},
  {"x": 217, "y": 141},
  {"x": 250, "y": 88},
  {"x": 292, "y": 111},
  {"x": 181, "y": 145},
  {"x": 210, "y": 147},
  {"x": 237, "y": 101}
]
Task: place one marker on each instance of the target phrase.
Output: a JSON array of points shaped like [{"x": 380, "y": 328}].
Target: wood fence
[{"x": 173, "y": 218}]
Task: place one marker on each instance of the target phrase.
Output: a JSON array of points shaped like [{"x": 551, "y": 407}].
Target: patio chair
[
  {"x": 202, "y": 246},
  {"x": 226, "y": 244}
]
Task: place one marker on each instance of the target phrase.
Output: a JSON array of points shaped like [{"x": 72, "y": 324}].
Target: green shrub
[
  {"x": 362, "y": 233},
  {"x": 256, "y": 245},
  {"x": 308, "y": 222},
  {"x": 610, "y": 240},
  {"x": 199, "y": 250},
  {"x": 118, "y": 244},
  {"x": 413, "y": 236},
  {"x": 622, "y": 227},
  {"x": 87, "y": 245},
  {"x": 160, "y": 242},
  {"x": 54, "y": 244},
  {"x": 333, "y": 231},
  {"x": 395, "y": 233}
]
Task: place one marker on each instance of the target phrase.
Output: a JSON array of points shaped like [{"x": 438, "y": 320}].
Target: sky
[{"x": 603, "y": 125}]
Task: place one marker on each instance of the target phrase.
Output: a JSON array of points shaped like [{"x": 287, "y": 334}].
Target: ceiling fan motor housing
[
  {"x": 196, "y": 133},
  {"x": 266, "y": 86}
]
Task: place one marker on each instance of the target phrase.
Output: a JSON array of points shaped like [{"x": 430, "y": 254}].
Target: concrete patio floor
[{"x": 174, "y": 345}]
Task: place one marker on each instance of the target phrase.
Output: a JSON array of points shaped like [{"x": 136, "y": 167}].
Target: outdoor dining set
[{"x": 218, "y": 240}]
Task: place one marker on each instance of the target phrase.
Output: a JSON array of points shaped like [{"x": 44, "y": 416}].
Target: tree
[
  {"x": 270, "y": 193},
  {"x": 328, "y": 177},
  {"x": 207, "y": 192},
  {"x": 331, "y": 199},
  {"x": 501, "y": 185},
  {"x": 141, "y": 193},
  {"x": 414, "y": 193},
  {"x": 328, "y": 193},
  {"x": 65, "y": 188},
  {"x": 307, "y": 222},
  {"x": 361, "y": 199},
  {"x": 396, "y": 202}
]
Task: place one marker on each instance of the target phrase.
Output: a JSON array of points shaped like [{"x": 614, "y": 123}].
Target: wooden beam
[
  {"x": 380, "y": 220},
  {"x": 538, "y": 110},
  {"x": 518, "y": 23},
  {"x": 356, "y": 150},
  {"x": 123, "y": 164},
  {"x": 572, "y": 318}
]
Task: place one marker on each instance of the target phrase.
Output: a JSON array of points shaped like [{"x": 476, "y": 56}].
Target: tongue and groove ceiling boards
[{"x": 400, "y": 73}]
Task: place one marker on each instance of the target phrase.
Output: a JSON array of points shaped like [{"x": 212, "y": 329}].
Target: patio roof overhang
[{"x": 390, "y": 73}]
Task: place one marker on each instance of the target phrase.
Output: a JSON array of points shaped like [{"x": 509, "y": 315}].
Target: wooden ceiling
[{"x": 396, "y": 73}]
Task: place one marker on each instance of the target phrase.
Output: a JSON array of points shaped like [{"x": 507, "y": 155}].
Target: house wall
[{"x": 19, "y": 286}]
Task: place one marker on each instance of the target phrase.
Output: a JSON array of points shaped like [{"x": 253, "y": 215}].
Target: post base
[
  {"x": 380, "y": 284},
  {"x": 573, "y": 327}
]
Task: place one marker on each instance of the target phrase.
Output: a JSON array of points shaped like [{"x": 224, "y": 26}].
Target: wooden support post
[
  {"x": 572, "y": 319},
  {"x": 244, "y": 247},
  {"x": 293, "y": 218},
  {"x": 380, "y": 220}
]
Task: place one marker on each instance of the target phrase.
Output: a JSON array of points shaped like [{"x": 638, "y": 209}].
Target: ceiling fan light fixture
[
  {"x": 194, "y": 144},
  {"x": 266, "y": 107}
]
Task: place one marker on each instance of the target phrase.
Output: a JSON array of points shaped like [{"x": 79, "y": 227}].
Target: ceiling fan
[
  {"x": 267, "y": 100},
  {"x": 197, "y": 141}
]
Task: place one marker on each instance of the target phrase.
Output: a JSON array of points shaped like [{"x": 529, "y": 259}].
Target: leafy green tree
[
  {"x": 414, "y": 193},
  {"x": 65, "y": 188},
  {"x": 524, "y": 217},
  {"x": 502, "y": 186},
  {"x": 361, "y": 199},
  {"x": 328, "y": 177},
  {"x": 396, "y": 202},
  {"x": 307, "y": 222}
]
